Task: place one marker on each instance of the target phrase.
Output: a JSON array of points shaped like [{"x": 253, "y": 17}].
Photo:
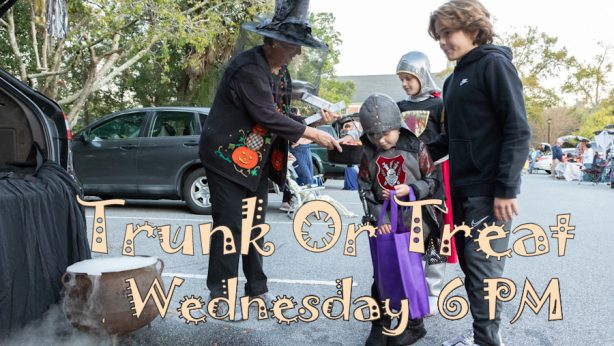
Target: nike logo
[
  {"x": 464, "y": 81},
  {"x": 476, "y": 223}
]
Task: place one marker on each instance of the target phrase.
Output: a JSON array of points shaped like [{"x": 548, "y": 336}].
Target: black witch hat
[{"x": 290, "y": 24}]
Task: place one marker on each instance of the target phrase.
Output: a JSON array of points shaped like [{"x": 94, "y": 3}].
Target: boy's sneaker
[
  {"x": 285, "y": 206},
  {"x": 433, "y": 309},
  {"x": 465, "y": 339}
]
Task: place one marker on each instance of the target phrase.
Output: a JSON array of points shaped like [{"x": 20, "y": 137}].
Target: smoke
[{"x": 53, "y": 329}]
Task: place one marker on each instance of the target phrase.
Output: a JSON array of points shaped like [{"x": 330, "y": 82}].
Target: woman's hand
[
  {"x": 385, "y": 229},
  {"x": 322, "y": 138}
]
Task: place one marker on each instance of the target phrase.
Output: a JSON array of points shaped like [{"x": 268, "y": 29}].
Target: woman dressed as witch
[{"x": 245, "y": 138}]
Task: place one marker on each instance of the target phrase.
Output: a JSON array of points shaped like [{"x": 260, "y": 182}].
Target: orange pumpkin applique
[
  {"x": 277, "y": 160},
  {"x": 245, "y": 157}
]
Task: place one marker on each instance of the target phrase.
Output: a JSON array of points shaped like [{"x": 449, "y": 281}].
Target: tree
[
  {"x": 330, "y": 88},
  {"x": 589, "y": 81},
  {"x": 564, "y": 121},
  {"x": 108, "y": 37},
  {"x": 537, "y": 57}
]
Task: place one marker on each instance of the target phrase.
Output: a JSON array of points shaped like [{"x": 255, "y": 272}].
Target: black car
[
  {"x": 42, "y": 226},
  {"x": 146, "y": 153},
  {"x": 30, "y": 121}
]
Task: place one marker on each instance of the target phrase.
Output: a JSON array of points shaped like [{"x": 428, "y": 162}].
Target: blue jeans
[{"x": 303, "y": 165}]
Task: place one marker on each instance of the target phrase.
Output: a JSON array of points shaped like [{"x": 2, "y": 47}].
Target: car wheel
[{"x": 196, "y": 192}]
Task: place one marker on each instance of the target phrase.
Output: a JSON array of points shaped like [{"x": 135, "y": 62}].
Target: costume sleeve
[
  {"x": 251, "y": 85},
  {"x": 434, "y": 124},
  {"x": 438, "y": 147},
  {"x": 504, "y": 89},
  {"x": 367, "y": 189},
  {"x": 425, "y": 188}
]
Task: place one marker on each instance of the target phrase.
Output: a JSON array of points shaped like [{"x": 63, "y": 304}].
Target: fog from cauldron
[{"x": 54, "y": 329}]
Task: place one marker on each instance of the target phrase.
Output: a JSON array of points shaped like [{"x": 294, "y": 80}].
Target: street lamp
[{"x": 549, "y": 121}]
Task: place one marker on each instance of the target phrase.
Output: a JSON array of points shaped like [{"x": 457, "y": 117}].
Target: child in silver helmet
[
  {"x": 393, "y": 159},
  {"x": 422, "y": 112}
]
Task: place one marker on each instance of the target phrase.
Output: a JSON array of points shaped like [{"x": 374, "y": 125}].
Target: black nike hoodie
[{"x": 487, "y": 133}]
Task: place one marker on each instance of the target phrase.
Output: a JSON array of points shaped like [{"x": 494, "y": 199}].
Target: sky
[{"x": 376, "y": 34}]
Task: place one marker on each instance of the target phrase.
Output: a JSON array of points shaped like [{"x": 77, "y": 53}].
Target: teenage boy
[{"x": 487, "y": 139}]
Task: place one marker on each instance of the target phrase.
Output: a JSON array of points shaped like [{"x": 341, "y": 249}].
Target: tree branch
[
  {"x": 15, "y": 47},
  {"x": 34, "y": 37},
  {"x": 119, "y": 30},
  {"x": 127, "y": 64},
  {"x": 47, "y": 74}
]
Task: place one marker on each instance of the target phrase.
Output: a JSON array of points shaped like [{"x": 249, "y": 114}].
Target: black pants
[
  {"x": 226, "y": 204},
  {"x": 478, "y": 211}
]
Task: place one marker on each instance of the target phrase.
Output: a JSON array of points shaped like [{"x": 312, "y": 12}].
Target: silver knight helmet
[
  {"x": 378, "y": 114},
  {"x": 417, "y": 64}
]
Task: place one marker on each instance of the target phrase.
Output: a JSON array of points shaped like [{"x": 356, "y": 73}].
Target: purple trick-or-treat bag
[{"x": 398, "y": 272}]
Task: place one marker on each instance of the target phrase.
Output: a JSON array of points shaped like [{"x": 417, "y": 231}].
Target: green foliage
[
  {"x": 335, "y": 91},
  {"x": 158, "y": 52},
  {"x": 597, "y": 120},
  {"x": 537, "y": 57},
  {"x": 144, "y": 48},
  {"x": 323, "y": 28},
  {"x": 589, "y": 81}
]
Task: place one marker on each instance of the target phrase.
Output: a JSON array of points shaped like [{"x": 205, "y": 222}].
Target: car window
[
  {"x": 202, "y": 118},
  {"x": 172, "y": 123},
  {"x": 121, "y": 127}
]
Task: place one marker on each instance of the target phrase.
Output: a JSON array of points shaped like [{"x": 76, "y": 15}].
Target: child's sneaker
[
  {"x": 377, "y": 337},
  {"x": 415, "y": 331}
]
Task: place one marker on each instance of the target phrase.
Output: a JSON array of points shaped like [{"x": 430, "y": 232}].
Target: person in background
[
  {"x": 350, "y": 135},
  {"x": 588, "y": 156},
  {"x": 557, "y": 156},
  {"x": 302, "y": 164},
  {"x": 535, "y": 153}
]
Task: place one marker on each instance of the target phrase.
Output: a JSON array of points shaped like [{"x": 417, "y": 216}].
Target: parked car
[
  {"x": 30, "y": 120},
  {"x": 43, "y": 228},
  {"x": 146, "y": 153},
  {"x": 544, "y": 162}
]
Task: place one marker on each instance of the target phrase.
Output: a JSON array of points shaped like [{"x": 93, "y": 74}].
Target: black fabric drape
[{"x": 42, "y": 231}]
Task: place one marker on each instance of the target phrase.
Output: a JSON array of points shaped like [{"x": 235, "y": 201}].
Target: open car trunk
[
  {"x": 42, "y": 226},
  {"x": 21, "y": 133}
]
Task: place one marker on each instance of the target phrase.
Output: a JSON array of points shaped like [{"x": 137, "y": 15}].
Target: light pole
[{"x": 549, "y": 121}]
